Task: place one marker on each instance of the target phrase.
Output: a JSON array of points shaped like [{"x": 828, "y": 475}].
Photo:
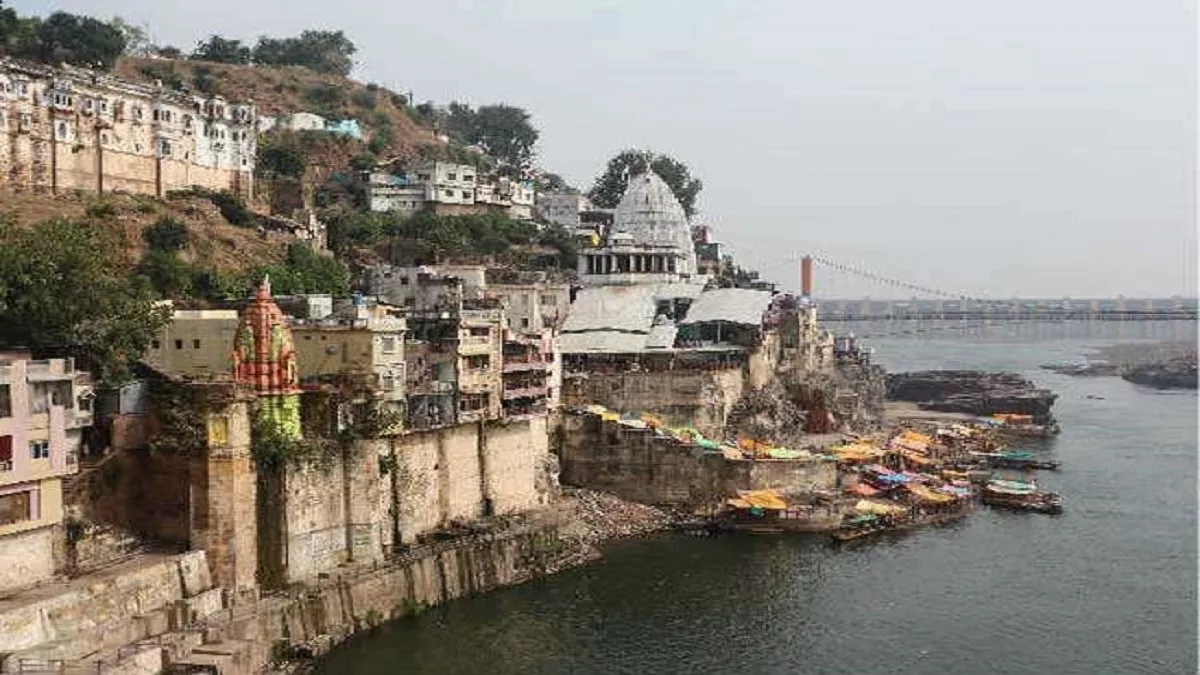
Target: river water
[{"x": 1107, "y": 587}]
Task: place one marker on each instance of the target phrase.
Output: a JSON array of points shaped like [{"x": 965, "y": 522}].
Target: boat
[
  {"x": 1021, "y": 496},
  {"x": 1019, "y": 461},
  {"x": 858, "y": 527}
]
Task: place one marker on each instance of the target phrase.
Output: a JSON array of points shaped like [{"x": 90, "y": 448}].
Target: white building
[
  {"x": 302, "y": 121},
  {"x": 452, "y": 185},
  {"x": 650, "y": 240}
]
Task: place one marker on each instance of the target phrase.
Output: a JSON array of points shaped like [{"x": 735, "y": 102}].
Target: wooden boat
[{"x": 1021, "y": 496}]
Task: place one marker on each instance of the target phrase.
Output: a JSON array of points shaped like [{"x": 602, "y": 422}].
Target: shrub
[{"x": 167, "y": 234}]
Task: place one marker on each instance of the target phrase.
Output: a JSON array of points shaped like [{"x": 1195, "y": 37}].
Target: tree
[
  {"x": 61, "y": 289},
  {"x": 322, "y": 51},
  {"x": 166, "y": 273},
  {"x": 137, "y": 41},
  {"x": 307, "y": 272},
  {"x": 221, "y": 50},
  {"x": 281, "y": 155},
  {"x": 610, "y": 186},
  {"x": 79, "y": 40},
  {"x": 18, "y": 35},
  {"x": 503, "y": 131},
  {"x": 168, "y": 52}
]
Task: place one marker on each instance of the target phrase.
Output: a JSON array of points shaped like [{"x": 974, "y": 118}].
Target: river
[{"x": 1109, "y": 587}]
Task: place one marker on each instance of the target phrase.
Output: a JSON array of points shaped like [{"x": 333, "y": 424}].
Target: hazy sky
[{"x": 1031, "y": 147}]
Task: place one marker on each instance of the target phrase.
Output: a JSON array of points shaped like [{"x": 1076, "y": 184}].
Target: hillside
[
  {"x": 213, "y": 241},
  {"x": 280, "y": 90}
]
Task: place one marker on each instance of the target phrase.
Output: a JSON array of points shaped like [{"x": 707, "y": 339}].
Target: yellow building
[{"x": 197, "y": 343}]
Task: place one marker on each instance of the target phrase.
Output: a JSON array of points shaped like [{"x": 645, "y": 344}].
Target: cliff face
[{"x": 973, "y": 392}]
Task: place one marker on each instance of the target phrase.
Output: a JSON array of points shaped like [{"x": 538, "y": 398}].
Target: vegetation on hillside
[
  {"x": 320, "y": 51},
  {"x": 504, "y": 132},
  {"x": 611, "y": 184},
  {"x": 63, "y": 290},
  {"x": 63, "y": 37}
]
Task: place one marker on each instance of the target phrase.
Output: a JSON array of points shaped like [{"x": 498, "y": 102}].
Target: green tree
[
  {"x": 61, "y": 289},
  {"x": 167, "y": 274},
  {"x": 307, "y": 271},
  {"x": 79, "y": 40},
  {"x": 611, "y": 185},
  {"x": 281, "y": 155},
  {"x": 166, "y": 234},
  {"x": 221, "y": 50},
  {"x": 137, "y": 41},
  {"x": 18, "y": 35},
  {"x": 322, "y": 51},
  {"x": 503, "y": 131}
]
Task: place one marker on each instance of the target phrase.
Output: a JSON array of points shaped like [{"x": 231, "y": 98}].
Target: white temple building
[{"x": 649, "y": 242}]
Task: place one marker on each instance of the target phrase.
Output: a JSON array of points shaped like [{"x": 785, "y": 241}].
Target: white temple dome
[{"x": 651, "y": 215}]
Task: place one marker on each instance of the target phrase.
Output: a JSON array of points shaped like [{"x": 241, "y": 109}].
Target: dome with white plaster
[{"x": 651, "y": 215}]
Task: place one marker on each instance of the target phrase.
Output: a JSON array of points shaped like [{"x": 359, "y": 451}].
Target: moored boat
[{"x": 1021, "y": 496}]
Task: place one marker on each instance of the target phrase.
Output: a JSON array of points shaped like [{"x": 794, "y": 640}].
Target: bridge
[{"x": 932, "y": 304}]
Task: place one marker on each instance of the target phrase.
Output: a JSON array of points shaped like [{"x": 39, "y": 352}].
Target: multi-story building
[
  {"x": 531, "y": 308},
  {"x": 75, "y": 129},
  {"x": 44, "y": 406},
  {"x": 448, "y": 189},
  {"x": 530, "y": 374},
  {"x": 360, "y": 345}
]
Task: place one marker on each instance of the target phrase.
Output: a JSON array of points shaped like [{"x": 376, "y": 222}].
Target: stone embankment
[
  {"x": 1163, "y": 365},
  {"x": 973, "y": 392}
]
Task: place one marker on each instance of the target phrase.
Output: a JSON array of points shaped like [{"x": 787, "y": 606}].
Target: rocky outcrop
[
  {"x": 1173, "y": 374},
  {"x": 974, "y": 392},
  {"x": 1162, "y": 365}
]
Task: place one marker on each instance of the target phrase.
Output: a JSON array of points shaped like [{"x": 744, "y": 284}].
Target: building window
[
  {"x": 468, "y": 178},
  {"x": 179, "y": 344},
  {"x": 155, "y": 344},
  {"x": 389, "y": 383},
  {"x": 403, "y": 281},
  {"x": 16, "y": 507},
  {"x": 6, "y": 458},
  {"x": 164, "y": 148},
  {"x": 389, "y": 345},
  {"x": 453, "y": 176},
  {"x": 480, "y": 331},
  {"x": 466, "y": 194},
  {"x": 195, "y": 344},
  {"x": 448, "y": 193},
  {"x": 39, "y": 449},
  {"x": 24, "y": 122},
  {"x": 5, "y": 401},
  {"x": 63, "y": 131},
  {"x": 525, "y": 323},
  {"x": 549, "y": 300}
]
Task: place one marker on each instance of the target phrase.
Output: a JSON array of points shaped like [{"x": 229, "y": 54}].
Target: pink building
[{"x": 44, "y": 406}]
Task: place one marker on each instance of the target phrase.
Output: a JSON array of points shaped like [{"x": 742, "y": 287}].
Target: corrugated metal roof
[
  {"x": 623, "y": 308},
  {"x": 601, "y": 341},
  {"x": 734, "y": 305}
]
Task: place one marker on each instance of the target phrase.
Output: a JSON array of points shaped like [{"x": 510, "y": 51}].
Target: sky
[{"x": 994, "y": 149}]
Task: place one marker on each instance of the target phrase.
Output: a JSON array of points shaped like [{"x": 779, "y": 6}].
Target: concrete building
[
  {"x": 427, "y": 288},
  {"x": 649, "y": 240},
  {"x": 361, "y": 345},
  {"x": 530, "y": 374},
  {"x": 562, "y": 208},
  {"x": 74, "y": 129},
  {"x": 531, "y": 308},
  {"x": 449, "y": 189},
  {"x": 198, "y": 343},
  {"x": 44, "y": 406}
]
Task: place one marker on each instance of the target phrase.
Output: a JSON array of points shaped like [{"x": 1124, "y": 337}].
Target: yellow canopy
[
  {"x": 856, "y": 452},
  {"x": 763, "y": 499},
  {"x": 879, "y": 508},
  {"x": 916, "y": 458},
  {"x": 928, "y": 495}
]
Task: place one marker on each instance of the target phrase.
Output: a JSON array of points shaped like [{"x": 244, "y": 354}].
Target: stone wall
[
  {"x": 699, "y": 398},
  {"x": 26, "y": 557},
  {"x": 639, "y": 465}
]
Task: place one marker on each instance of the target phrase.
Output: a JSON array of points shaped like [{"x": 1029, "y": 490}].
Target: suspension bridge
[{"x": 933, "y": 304}]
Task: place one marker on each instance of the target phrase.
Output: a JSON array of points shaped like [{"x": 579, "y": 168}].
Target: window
[
  {"x": 448, "y": 193},
  {"x": 179, "y": 344},
  {"x": 468, "y": 178},
  {"x": 60, "y": 394},
  {"x": 63, "y": 131},
  {"x": 164, "y": 148},
  {"x": 403, "y": 281},
  {"x": 466, "y": 194},
  {"x": 389, "y": 383},
  {"x": 480, "y": 331},
  {"x": 422, "y": 176},
  {"x": 39, "y": 449},
  {"x": 155, "y": 344},
  {"x": 138, "y": 112},
  {"x": 453, "y": 176},
  {"x": 195, "y": 344},
  {"x": 5, "y": 401},
  {"x": 525, "y": 323},
  {"x": 389, "y": 345},
  {"x": 549, "y": 300},
  {"x": 16, "y": 507},
  {"x": 6, "y": 458},
  {"x": 24, "y": 122}
]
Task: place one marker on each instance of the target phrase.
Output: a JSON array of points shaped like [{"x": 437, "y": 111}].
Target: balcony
[
  {"x": 525, "y": 366},
  {"x": 525, "y": 392}
]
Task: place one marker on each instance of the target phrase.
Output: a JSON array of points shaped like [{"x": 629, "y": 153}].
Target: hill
[{"x": 212, "y": 240}]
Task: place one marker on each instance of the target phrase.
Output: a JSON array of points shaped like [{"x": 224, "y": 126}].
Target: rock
[
  {"x": 1163, "y": 365},
  {"x": 1174, "y": 374},
  {"x": 973, "y": 392}
]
